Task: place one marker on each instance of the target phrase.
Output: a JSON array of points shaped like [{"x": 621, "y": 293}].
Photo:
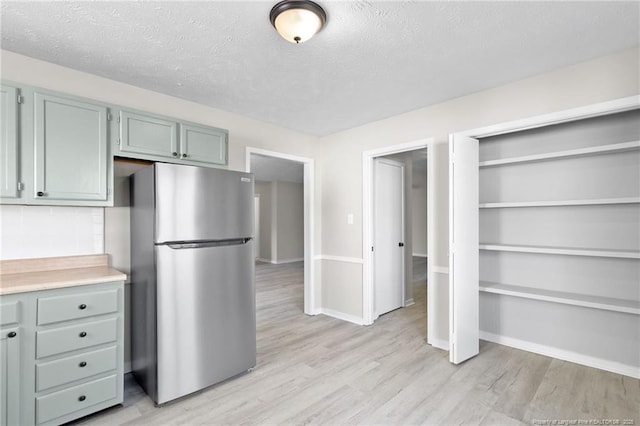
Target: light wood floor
[{"x": 320, "y": 370}]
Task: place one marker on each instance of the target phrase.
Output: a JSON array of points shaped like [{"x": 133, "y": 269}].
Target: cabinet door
[
  {"x": 143, "y": 134},
  {"x": 70, "y": 152},
  {"x": 204, "y": 144},
  {"x": 9, "y": 177},
  {"x": 10, "y": 377}
]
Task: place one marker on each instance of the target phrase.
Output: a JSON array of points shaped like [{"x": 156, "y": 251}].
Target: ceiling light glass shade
[{"x": 297, "y": 21}]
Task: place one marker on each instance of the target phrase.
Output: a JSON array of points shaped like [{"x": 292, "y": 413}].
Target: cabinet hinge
[
  {"x": 108, "y": 191},
  {"x": 118, "y": 140},
  {"x": 20, "y": 99},
  {"x": 108, "y": 116},
  {"x": 118, "y": 119},
  {"x": 20, "y": 186}
]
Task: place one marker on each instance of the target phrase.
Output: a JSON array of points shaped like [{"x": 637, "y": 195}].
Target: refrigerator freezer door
[
  {"x": 206, "y": 323},
  {"x": 198, "y": 203}
]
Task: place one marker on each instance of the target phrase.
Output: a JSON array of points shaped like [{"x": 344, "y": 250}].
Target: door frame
[
  {"x": 401, "y": 165},
  {"x": 367, "y": 223},
  {"x": 310, "y": 303}
]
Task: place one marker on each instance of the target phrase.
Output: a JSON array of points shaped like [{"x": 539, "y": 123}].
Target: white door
[
  {"x": 256, "y": 227},
  {"x": 388, "y": 247},
  {"x": 463, "y": 248}
]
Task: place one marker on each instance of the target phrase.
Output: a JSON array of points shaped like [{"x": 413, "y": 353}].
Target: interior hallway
[{"x": 320, "y": 370}]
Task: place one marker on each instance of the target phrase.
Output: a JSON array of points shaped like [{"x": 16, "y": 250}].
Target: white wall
[
  {"x": 419, "y": 212},
  {"x": 599, "y": 80},
  {"x": 281, "y": 221},
  {"x": 290, "y": 217},
  {"x": 264, "y": 189}
]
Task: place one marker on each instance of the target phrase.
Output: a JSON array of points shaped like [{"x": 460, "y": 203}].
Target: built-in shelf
[
  {"x": 564, "y": 251},
  {"x": 561, "y": 203},
  {"x": 616, "y": 147},
  {"x": 596, "y": 302}
]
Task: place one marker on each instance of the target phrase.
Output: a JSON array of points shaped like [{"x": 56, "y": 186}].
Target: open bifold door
[{"x": 463, "y": 248}]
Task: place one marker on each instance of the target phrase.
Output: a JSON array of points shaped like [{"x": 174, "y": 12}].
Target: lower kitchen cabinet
[
  {"x": 10, "y": 376},
  {"x": 62, "y": 353}
]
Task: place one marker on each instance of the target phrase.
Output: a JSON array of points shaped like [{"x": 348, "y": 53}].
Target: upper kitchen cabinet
[
  {"x": 10, "y": 184},
  {"x": 203, "y": 144},
  {"x": 147, "y": 135},
  {"x": 156, "y": 138},
  {"x": 70, "y": 155}
]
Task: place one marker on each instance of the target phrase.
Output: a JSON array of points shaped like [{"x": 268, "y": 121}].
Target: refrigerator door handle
[{"x": 221, "y": 243}]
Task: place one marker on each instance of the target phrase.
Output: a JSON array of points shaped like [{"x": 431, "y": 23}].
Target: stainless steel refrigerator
[{"x": 192, "y": 278}]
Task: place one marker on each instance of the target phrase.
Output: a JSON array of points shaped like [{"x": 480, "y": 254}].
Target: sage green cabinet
[
  {"x": 148, "y": 135},
  {"x": 70, "y": 149},
  {"x": 10, "y": 185},
  {"x": 66, "y": 359},
  {"x": 157, "y": 138},
  {"x": 54, "y": 149},
  {"x": 10, "y": 376},
  {"x": 203, "y": 144}
]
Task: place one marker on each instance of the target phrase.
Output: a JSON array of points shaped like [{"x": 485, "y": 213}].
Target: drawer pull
[
  {"x": 83, "y": 306},
  {"x": 12, "y": 334},
  {"x": 83, "y": 334},
  {"x": 82, "y": 364},
  {"x": 82, "y": 398}
]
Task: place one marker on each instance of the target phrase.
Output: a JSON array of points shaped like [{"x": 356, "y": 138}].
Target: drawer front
[
  {"x": 8, "y": 313},
  {"x": 85, "y": 335},
  {"x": 76, "y": 306},
  {"x": 66, "y": 370},
  {"x": 76, "y": 398}
]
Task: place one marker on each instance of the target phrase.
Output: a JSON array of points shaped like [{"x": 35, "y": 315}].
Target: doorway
[
  {"x": 369, "y": 261},
  {"x": 270, "y": 247}
]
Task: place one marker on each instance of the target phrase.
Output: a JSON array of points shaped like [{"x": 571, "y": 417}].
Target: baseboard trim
[
  {"x": 409, "y": 302},
  {"x": 280, "y": 261},
  {"x": 440, "y": 344},
  {"x": 342, "y": 316},
  {"x": 339, "y": 258},
  {"x": 297, "y": 259},
  {"x": 565, "y": 355}
]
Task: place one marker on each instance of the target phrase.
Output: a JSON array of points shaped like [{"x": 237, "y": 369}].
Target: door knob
[
  {"x": 400, "y": 244},
  {"x": 184, "y": 155},
  {"x": 175, "y": 154},
  {"x": 41, "y": 194}
]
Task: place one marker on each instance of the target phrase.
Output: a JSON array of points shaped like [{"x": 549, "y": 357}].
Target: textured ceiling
[{"x": 371, "y": 61}]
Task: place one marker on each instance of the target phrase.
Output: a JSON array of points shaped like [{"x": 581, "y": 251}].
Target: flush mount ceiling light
[{"x": 297, "y": 20}]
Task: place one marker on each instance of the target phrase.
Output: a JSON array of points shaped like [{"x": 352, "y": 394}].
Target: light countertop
[{"x": 23, "y": 275}]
